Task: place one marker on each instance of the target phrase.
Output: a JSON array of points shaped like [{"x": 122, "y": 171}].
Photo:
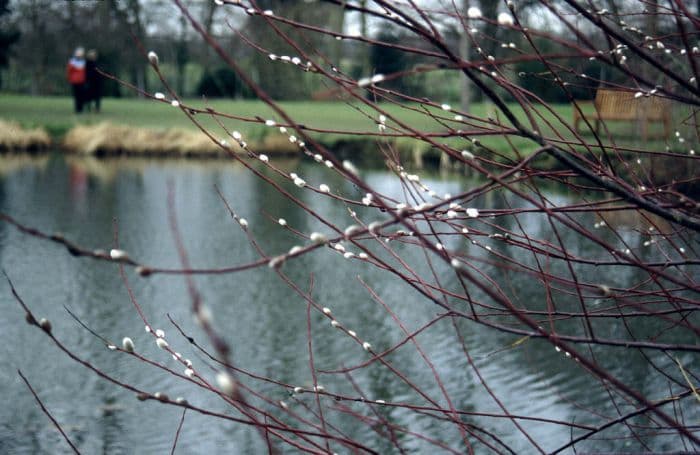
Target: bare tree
[{"x": 613, "y": 271}]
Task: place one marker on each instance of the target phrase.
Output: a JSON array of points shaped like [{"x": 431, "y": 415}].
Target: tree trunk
[
  {"x": 364, "y": 54},
  {"x": 181, "y": 57},
  {"x": 465, "y": 88},
  {"x": 208, "y": 26},
  {"x": 337, "y": 23},
  {"x": 652, "y": 25},
  {"x": 140, "y": 62}
]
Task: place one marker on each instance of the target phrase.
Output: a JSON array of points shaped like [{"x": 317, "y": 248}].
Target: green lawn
[{"x": 56, "y": 115}]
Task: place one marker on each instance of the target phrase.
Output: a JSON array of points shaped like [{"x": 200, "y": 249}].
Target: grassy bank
[
  {"x": 139, "y": 126},
  {"x": 15, "y": 137},
  {"x": 56, "y": 116}
]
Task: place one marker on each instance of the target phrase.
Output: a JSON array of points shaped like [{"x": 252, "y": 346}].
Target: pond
[{"x": 262, "y": 319}]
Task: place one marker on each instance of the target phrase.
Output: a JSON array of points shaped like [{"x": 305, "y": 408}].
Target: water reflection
[{"x": 261, "y": 318}]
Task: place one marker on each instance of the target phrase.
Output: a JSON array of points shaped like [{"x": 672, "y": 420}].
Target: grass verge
[{"x": 140, "y": 126}]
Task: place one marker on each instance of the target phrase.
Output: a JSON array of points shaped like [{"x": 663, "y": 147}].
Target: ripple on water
[{"x": 264, "y": 321}]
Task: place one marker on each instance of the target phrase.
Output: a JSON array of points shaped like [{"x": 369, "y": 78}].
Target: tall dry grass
[{"x": 13, "y": 137}]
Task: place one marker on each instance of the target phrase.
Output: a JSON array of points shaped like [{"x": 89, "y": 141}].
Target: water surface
[{"x": 262, "y": 319}]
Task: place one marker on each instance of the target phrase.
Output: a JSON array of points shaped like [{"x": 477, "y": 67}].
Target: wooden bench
[{"x": 620, "y": 105}]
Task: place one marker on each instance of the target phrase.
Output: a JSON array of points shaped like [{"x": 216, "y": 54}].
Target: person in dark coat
[
  {"x": 75, "y": 73},
  {"x": 93, "y": 81}
]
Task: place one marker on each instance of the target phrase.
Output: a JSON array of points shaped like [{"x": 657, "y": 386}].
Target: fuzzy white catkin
[
  {"x": 45, "y": 324},
  {"x": 225, "y": 383},
  {"x": 374, "y": 226},
  {"x": 276, "y": 262},
  {"x": 348, "y": 166},
  {"x": 128, "y": 344},
  {"x": 474, "y": 13},
  {"x": 505, "y": 19},
  {"x": 203, "y": 315},
  {"x": 351, "y": 230},
  {"x": 318, "y": 237},
  {"x": 118, "y": 255},
  {"x": 364, "y": 82}
]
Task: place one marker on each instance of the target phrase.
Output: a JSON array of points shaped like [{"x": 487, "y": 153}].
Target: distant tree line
[{"x": 38, "y": 36}]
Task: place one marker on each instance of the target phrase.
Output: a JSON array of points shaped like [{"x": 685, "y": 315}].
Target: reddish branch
[{"x": 464, "y": 285}]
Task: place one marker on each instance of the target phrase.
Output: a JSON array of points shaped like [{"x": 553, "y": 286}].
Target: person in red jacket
[{"x": 76, "y": 78}]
